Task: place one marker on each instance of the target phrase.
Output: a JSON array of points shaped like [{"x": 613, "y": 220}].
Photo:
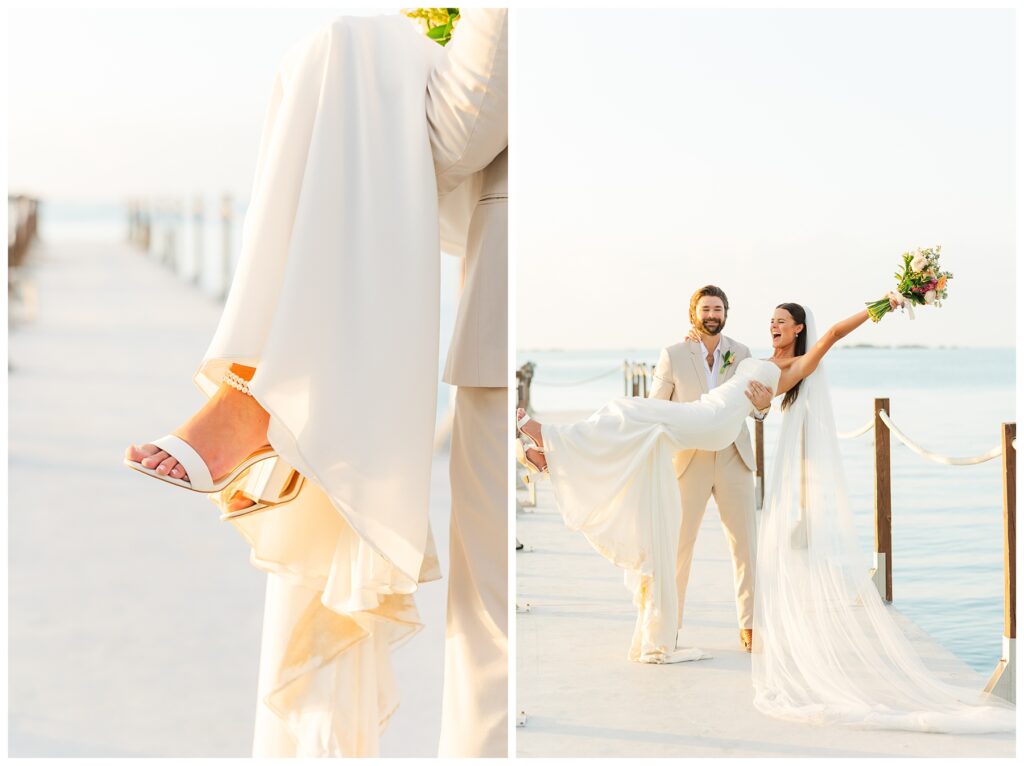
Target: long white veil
[{"x": 827, "y": 650}]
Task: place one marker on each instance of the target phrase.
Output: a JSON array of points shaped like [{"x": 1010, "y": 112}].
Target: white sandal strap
[
  {"x": 196, "y": 468},
  {"x": 532, "y": 445},
  {"x": 523, "y": 421}
]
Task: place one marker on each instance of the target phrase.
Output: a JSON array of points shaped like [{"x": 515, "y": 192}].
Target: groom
[
  {"x": 467, "y": 111},
  {"x": 684, "y": 372}
]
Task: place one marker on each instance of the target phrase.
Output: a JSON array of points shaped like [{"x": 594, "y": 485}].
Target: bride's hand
[
  {"x": 896, "y": 300},
  {"x": 759, "y": 395},
  {"x": 693, "y": 334}
]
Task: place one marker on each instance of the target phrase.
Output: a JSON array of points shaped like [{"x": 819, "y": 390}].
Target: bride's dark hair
[{"x": 800, "y": 317}]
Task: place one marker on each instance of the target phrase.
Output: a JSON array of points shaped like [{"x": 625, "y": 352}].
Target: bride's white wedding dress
[
  {"x": 338, "y": 274},
  {"x": 826, "y": 648},
  {"x": 613, "y": 481}
]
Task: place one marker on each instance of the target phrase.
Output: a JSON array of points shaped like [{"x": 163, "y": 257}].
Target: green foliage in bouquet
[
  {"x": 437, "y": 23},
  {"x": 921, "y": 281}
]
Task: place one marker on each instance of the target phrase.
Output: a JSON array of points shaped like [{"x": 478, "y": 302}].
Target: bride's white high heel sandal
[
  {"x": 522, "y": 447},
  {"x": 268, "y": 484},
  {"x": 272, "y": 481},
  {"x": 199, "y": 478}
]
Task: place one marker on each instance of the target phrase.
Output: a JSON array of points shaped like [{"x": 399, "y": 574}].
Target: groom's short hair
[{"x": 717, "y": 292}]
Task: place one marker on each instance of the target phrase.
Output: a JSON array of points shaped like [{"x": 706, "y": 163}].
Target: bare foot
[
  {"x": 225, "y": 431},
  {"x": 533, "y": 429}
]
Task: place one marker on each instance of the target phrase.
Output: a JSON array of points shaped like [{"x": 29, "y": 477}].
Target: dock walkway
[
  {"x": 134, "y": 614},
  {"x": 582, "y": 697}
]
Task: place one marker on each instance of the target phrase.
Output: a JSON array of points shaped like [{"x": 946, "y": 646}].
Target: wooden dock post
[
  {"x": 171, "y": 221},
  {"x": 759, "y": 462},
  {"x": 226, "y": 219},
  {"x": 524, "y": 377},
  {"x": 1003, "y": 682},
  {"x": 145, "y": 227},
  {"x": 882, "y": 573},
  {"x": 198, "y": 236}
]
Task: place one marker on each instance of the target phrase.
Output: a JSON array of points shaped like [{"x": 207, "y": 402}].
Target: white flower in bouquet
[
  {"x": 919, "y": 262},
  {"x": 929, "y": 297}
]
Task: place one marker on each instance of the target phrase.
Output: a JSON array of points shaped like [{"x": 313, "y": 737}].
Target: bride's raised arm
[{"x": 807, "y": 363}]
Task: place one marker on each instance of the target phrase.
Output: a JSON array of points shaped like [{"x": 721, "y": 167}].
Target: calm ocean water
[
  {"x": 199, "y": 253},
  {"x": 947, "y": 520}
]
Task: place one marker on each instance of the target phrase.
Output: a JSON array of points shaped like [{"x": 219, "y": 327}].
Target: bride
[{"x": 826, "y": 650}]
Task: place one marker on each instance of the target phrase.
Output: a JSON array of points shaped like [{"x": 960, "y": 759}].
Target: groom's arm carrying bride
[{"x": 685, "y": 371}]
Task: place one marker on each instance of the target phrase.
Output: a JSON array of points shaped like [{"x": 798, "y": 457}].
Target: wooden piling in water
[
  {"x": 883, "y": 504},
  {"x": 1009, "y": 530},
  {"x": 226, "y": 218},
  {"x": 1003, "y": 682},
  {"x": 524, "y": 377},
  {"x": 198, "y": 238},
  {"x": 759, "y": 461}
]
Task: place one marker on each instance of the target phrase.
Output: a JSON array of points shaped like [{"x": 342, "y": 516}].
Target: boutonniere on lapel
[{"x": 727, "y": 359}]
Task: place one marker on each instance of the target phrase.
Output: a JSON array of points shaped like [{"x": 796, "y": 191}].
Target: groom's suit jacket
[
  {"x": 680, "y": 376},
  {"x": 467, "y": 112}
]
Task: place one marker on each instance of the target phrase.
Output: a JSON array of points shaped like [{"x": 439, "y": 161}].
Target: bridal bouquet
[
  {"x": 437, "y": 23},
  {"x": 922, "y": 282}
]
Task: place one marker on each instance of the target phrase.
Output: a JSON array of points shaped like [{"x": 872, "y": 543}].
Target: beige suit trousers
[
  {"x": 474, "y": 720},
  {"x": 724, "y": 475}
]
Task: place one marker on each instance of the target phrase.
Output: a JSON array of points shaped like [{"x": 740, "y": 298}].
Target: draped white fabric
[
  {"x": 335, "y": 301},
  {"x": 826, "y": 649},
  {"x": 614, "y": 482}
]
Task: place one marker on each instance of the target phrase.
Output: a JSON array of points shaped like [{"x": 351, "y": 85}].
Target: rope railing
[
  {"x": 933, "y": 456},
  {"x": 858, "y": 432},
  {"x": 616, "y": 368},
  {"x": 915, "y": 447}
]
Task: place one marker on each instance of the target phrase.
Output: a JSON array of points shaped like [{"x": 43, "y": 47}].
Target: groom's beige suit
[
  {"x": 467, "y": 109},
  {"x": 681, "y": 375}
]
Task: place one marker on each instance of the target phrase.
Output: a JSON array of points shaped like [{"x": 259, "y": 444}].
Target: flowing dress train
[
  {"x": 335, "y": 302},
  {"x": 613, "y": 481}
]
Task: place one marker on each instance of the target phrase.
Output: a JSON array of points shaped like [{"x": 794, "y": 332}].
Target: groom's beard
[{"x": 711, "y": 326}]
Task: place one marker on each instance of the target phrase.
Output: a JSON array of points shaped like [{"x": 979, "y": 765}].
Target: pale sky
[
  {"x": 108, "y": 103},
  {"x": 782, "y": 155}
]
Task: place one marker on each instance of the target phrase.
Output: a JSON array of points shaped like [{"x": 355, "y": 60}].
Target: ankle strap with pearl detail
[{"x": 237, "y": 382}]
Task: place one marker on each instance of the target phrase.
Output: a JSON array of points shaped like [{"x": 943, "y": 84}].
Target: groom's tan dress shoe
[{"x": 747, "y": 638}]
